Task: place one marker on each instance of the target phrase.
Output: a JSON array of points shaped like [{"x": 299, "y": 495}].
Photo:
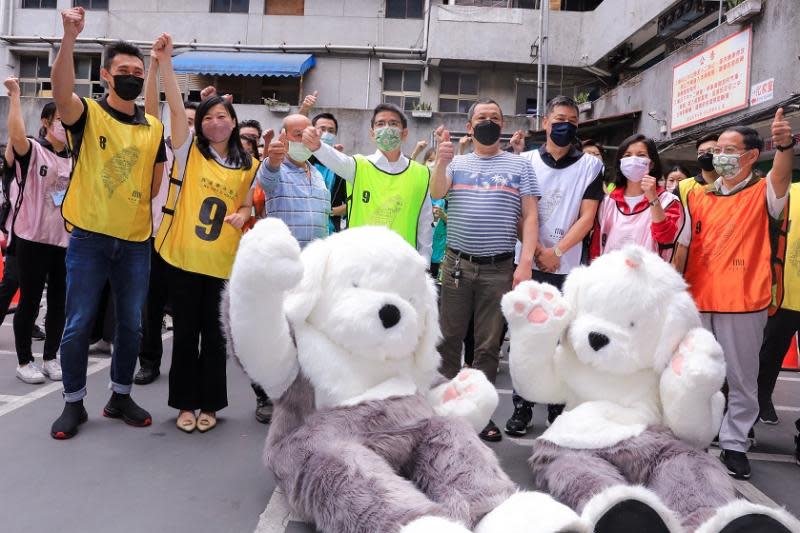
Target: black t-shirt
[{"x": 137, "y": 118}]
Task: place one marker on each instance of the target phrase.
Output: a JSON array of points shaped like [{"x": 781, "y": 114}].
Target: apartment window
[
  {"x": 402, "y": 87},
  {"x": 458, "y": 91},
  {"x": 404, "y": 9},
  {"x": 91, "y": 4},
  {"x": 39, "y": 4},
  {"x": 284, "y": 7},
  {"x": 34, "y": 76},
  {"x": 230, "y": 6}
]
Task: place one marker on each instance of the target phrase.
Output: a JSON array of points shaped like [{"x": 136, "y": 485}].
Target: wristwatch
[
  {"x": 653, "y": 202},
  {"x": 790, "y": 145},
  {"x": 557, "y": 251}
]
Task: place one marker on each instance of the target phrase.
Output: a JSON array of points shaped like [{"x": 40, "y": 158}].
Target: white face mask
[
  {"x": 298, "y": 152},
  {"x": 634, "y": 167}
]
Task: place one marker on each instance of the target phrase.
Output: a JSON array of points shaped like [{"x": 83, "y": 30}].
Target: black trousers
[
  {"x": 39, "y": 263},
  {"x": 778, "y": 334},
  {"x": 153, "y": 315},
  {"x": 197, "y": 378}
]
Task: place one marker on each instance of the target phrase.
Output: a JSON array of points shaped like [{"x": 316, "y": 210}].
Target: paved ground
[{"x": 112, "y": 477}]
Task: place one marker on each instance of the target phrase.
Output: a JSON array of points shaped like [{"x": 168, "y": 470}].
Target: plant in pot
[
  {"x": 422, "y": 110},
  {"x": 276, "y": 106}
]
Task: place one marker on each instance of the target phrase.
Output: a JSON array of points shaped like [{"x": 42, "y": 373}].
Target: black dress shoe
[
  {"x": 146, "y": 375},
  {"x": 37, "y": 334}
]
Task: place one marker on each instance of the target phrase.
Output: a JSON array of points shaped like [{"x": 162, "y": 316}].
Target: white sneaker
[
  {"x": 30, "y": 373},
  {"x": 52, "y": 369},
  {"x": 100, "y": 346}
]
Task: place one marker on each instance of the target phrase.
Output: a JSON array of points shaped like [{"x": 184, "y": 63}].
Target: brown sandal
[
  {"x": 186, "y": 421},
  {"x": 206, "y": 422}
]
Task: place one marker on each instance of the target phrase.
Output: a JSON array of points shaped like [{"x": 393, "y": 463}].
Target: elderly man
[{"x": 295, "y": 190}]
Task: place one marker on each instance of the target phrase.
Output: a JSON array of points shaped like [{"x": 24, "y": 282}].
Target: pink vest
[
  {"x": 37, "y": 215},
  {"x": 618, "y": 229}
]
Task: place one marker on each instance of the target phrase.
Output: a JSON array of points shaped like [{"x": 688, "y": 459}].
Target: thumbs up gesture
[
  {"x": 276, "y": 150},
  {"x": 311, "y": 138},
  {"x": 781, "y": 130},
  {"x": 445, "y": 150},
  {"x": 308, "y": 103}
]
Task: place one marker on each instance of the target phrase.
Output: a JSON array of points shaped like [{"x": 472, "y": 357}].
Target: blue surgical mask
[{"x": 328, "y": 138}]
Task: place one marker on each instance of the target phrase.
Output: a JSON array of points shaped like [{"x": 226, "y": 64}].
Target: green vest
[{"x": 377, "y": 198}]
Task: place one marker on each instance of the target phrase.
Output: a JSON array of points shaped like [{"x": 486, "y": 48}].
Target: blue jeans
[{"x": 91, "y": 260}]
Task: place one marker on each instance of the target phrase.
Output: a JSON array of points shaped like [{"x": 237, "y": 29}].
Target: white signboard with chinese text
[
  {"x": 712, "y": 83},
  {"x": 762, "y": 92}
]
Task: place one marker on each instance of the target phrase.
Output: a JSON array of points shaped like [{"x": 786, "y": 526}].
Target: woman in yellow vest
[
  {"x": 209, "y": 201},
  {"x": 784, "y": 320}
]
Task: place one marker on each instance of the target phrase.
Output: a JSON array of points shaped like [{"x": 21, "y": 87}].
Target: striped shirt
[
  {"x": 299, "y": 198},
  {"x": 485, "y": 202}
]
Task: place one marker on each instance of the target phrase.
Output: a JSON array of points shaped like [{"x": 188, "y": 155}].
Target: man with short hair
[
  {"x": 490, "y": 194},
  {"x": 572, "y": 187},
  {"x": 728, "y": 267},
  {"x": 118, "y": 152},
  {"x": 328, "y": 126},
  {"x": 385, "y": 188},
  {"x": 294, "y": 188},
  {"x": 705, "y": 158}
]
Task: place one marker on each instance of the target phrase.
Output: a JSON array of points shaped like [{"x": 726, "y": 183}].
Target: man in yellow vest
[
  {"x": 728, "y": 267},
  {"x": 784, "y": 323},
  {"x": 385, "y": 188},
  {"x": 118, "y": 153}
]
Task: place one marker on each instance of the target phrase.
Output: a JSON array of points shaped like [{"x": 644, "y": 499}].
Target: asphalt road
[{"x": 113, "y": 477}]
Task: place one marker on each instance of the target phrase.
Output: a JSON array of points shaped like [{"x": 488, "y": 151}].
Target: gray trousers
[
  {"x": 477, "y": 297},
  {"x": 740, "y": 336}
]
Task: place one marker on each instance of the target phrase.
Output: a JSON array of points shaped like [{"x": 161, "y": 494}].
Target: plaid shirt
[{"x": 298, "y": 196}]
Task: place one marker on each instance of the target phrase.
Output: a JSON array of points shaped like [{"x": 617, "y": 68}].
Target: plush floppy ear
[
  {"x": 682, "y": 316},
  {"x": 301, "y": 300},
  {"x": 426, "y": 356}
]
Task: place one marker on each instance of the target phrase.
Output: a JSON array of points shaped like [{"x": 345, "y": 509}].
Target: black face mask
[
  {"x": 486, "y": 132},
  {"x": 128, "y": 86},
  {"x": 563, "y": 133},
  {"x": 706, "y": 161}
]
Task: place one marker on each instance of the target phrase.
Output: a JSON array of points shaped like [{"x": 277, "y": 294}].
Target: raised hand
[
  {"x": 311, "y": 138},
  {"x": 268, "y": 136},
  {"x": 311, "y": 100},
  {"x": 162, "y": 48},
  {"x": 208, "y": 92},
  {"x": 73, "y": 20},
  {"x": 781, "y": 130},
  {"x": 517, "y": 141},
  {"x": 650, "y": 188},
  {"x": 445, "y": 151},
  {"x": 421, "y": 145},
  {"x": 276, "y": 150},
  {"x": 12, "y": 86}
]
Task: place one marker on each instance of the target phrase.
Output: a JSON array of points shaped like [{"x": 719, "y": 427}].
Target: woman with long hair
[
  {"x": 210, "y": 199},
  {"x": 38, "y": 235},
  {"x": 637, "y": 211}
]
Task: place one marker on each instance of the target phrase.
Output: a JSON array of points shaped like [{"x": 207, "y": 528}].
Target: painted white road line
[
  {"x": 787, "y": 408},
  {"x": 504, "y": 391},
  {"x": 8, "y": 352},
  {"x": 276, "y": 516},
  {"x": 6, "y": 398},
  {"x": 797, "y": 380},
  {"x": 97, "y": 364},
  {"x": 752, "y": 494}
]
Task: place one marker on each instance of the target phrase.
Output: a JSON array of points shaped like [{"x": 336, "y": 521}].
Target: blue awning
[{"x": 243, "y": 63}]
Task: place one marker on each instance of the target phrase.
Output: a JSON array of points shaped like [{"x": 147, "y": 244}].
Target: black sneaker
[
  {"x": 797, "y": 442},
  {"x": 264, "y": 409},
  {"x": 122, "y": 406},
  {"x": 767, "y": 415},
  {"x": 37, "y": 333},
  {"x": 751, "y": 438},
  {"x": 66, "y": 425},
  {"x": 146, "y": 375},
  {"x": 522, "y": 418},
  {"x": 491, "y": 433},
  {"x": 553, "y": 412},
  {"x": 737, "y": 463}
]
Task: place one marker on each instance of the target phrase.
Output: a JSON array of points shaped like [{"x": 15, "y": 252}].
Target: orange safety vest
[{"x": 728, "y": 266}]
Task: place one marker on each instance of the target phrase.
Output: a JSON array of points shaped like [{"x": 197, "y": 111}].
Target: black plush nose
[
  {"x": 389, "y": 315},
  {"x": 597, "y": 340}
]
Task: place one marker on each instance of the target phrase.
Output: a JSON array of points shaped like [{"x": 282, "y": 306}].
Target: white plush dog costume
[
  {"x": 624, "y": 350},
  {"x": 364, "y": 437}
]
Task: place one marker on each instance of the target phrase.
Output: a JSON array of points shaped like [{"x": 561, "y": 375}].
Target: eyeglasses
[
  {"x": 391, "y": 124},
  {"x": 727, "y": 150}
]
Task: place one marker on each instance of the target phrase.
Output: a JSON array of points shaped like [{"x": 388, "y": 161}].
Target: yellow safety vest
[
  {"x": 109, "y": 192},
  {"x": 684, "y": 186},
  {"x": 194, "y": 235},
  {"x": 791, "y": 253},
  {"x": 376, "y": 198}
]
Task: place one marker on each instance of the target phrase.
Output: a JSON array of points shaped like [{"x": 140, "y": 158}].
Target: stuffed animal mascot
[
  {"x": 366, "y": 436},
  {"x": 623, "y": 348}
]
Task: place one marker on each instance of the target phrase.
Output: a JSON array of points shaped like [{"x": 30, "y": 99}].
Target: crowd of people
[{"x": 105, "y": 199}]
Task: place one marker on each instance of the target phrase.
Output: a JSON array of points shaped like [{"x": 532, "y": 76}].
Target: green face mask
[{"x": 388, "y": 138}]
